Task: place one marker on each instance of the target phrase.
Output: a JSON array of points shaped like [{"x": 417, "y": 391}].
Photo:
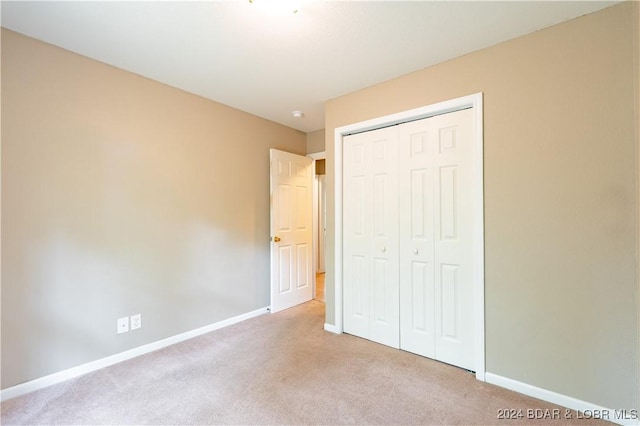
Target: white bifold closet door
[
  {"x": 436, "y": 256},
  {"x": 423, "y": 209},
  {"x": 371, "y": 300}
]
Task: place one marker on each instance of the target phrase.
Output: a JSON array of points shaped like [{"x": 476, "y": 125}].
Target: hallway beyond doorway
[{"x": 320, "y": 287}]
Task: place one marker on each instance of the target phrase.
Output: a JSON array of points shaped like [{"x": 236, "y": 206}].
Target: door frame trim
[{"x": 471, "y": 101}]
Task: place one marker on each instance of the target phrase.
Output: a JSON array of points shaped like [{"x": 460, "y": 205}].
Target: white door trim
[
  {"x": 472, "y": 101},
  {"x": 318, "y": 155}
]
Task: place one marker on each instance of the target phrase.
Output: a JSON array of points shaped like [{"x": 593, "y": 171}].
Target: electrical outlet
[
  {"x": 136, "y": 321},
  {"x": 123, "y": 325}
]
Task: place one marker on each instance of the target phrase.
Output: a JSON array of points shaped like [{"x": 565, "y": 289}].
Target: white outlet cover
[
  {"x": 123, "y": 325},
  {"x": 136, "y": 321}
]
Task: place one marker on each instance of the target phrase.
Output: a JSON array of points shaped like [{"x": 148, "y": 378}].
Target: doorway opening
[{"x": 319, "y": 224}]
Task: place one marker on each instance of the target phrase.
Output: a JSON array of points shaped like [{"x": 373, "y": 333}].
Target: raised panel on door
[
  {"x": 285, "y": 256},
  {"x": 283, "y": 228},
  {"x": 303, "y": 266},
  {"x": 371, "y": 236},
  {"x": 303, "y": 228},
  {"x": 417, "y": 310},
  {"x": 454, "y": 239}
]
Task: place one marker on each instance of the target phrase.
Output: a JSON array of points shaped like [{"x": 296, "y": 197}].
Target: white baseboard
[
  {"x": 585, "y": 409},
  {"x": 61, "y": 376},
  {"x": 332, "y": 328}
]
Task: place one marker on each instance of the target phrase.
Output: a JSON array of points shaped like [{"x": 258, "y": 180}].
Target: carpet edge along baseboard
[{"x": 80, "y": 370}]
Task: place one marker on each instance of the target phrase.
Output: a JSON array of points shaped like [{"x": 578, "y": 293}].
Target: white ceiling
[{"x": 269, "y": 66}]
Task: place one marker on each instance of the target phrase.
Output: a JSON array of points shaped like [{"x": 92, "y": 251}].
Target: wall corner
[{"x": 636, "y": 73}]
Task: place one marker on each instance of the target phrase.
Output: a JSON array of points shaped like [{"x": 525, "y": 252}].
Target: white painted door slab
[
  {"x": 417, "y": 270},
  {"x": 436, "y": 237},
  {"x": 371, "y": 244},
  {"x": 291, "y": 229},
  {"x": 454, "y": 238}
]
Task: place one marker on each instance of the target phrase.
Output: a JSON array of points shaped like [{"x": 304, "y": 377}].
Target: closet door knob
[
  {"x": 415, "y": 251},
  {"x": 384, "y": 249}
]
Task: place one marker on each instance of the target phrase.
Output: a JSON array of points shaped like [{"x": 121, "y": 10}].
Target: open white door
[{"x": 291, "y": 229}]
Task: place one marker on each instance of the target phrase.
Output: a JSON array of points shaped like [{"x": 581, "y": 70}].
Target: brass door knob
[{"x": 276, "y": 239}]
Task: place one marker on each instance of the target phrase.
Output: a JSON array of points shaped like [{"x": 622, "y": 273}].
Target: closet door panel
[
  {"x": 453, "y": 239},
  {"x": 417, "y": 314},
  {"x": 385, "y": 297},
  {"x": 371, "y": 236},
  {"x": 357, "y": 225}
]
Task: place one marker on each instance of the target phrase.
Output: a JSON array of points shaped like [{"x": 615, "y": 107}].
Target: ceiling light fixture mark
[{"x": 277, "y": 7}]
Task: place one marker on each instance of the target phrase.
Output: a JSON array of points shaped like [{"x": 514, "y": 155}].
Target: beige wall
[
  {"x": 120, "y": 196},
  {"x": 637, "y": 117},
  {"x": 315, "y": 141},
  {"x": 560, "y": 199}
]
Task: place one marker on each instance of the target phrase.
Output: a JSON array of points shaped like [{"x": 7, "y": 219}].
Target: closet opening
[{"x": 473, "y": 199}]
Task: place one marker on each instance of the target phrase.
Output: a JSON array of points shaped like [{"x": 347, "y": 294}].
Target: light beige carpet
[{"x": 274, "y": 369}]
